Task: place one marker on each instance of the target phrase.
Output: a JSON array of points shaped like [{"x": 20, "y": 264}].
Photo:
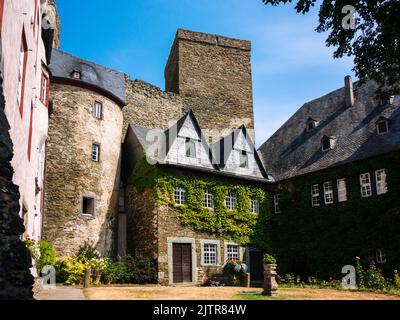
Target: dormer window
[
  {"x": 387, "y": 101},
  {"x": 76, "y": 75},
  {"x": 243, "y": 159},
  {"x": 382, "y": 126},
  {"x": 311, "y": 124},
  {"x": 328, "y": 143},
  {"x": 190, "y": 148}
]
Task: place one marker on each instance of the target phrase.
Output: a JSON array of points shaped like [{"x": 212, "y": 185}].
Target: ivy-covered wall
[
  {"x": 239, "y": 225},
  {"x": 319, "y": 241}
]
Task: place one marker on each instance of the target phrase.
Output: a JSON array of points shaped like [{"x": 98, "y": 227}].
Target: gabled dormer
[
  {"x": 328, "y": 143},
  {"x": 186, "y": 144},
  {"x": 311, "y": 124},
  {"x": 236, "y": 154},
  {"x": 382, "y": 125}
]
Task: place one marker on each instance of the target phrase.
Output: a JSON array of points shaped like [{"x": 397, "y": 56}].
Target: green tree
[{"x": 373, "y": 40}]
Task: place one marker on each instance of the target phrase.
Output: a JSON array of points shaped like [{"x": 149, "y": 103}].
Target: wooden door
[{"x": 182, "y": 262}]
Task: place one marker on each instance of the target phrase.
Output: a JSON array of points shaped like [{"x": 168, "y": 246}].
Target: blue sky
[{"x": 291, "y": 64}]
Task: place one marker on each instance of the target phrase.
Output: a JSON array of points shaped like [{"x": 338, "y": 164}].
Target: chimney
[{"x": 349, "y": 92}]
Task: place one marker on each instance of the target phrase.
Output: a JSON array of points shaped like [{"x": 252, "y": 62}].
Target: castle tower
[
  {"x": 213, "y": 75},
  {"x": 83, "y": 154}
]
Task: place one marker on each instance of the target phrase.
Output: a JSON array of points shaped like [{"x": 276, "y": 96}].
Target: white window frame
[
  {"x": 97, "y": 110},
  {"x": 328, "y": 192},
  {"x": 380, "y": 256},
  {"x": 190, "y": 145},
  {"x": 365, "y": 185},
  {"x": 229, "y": 252},
  {"x": 205, "y": 253},
  {"x": 95, "y": 152},
  {"x": 277, "y": 198},
  {"x": 208, "y": 200},
  {"x": 386, "y": 122},
  {"x": 243, "y": 155},
  {"x": 381, "y": 183},
  {"x": 180, "y": 196},
  {"x": 230, "y": 201},
  {"x": 255, "y": 206},
  {"x": 315, "y": 196},
  {"x": 77, "y": 75},
  {"x": 342, "y": 190}
]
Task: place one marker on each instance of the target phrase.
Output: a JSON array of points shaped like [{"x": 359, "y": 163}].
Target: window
[
  {"x": 381, "y": 184},
  {"x": 342, "y": 190},
  {"x": 277, "y": 208},
  {"x": 315, "y": 195},
  {"x": 190, "y": 148},
  {"x": 76, "y": 75},
  {"x": 255, "y": 206},
  {"x": 230, "y": 201},
  {"x": 179, "y": 196},
  {"x": 232, "y": 252},
  {"x": 96, "y": 152},
  {"x": 97, "y": 110},
  {"x": 382, "y": 126},
  {"x": 243, "y": 159},
  {"x": 23, "y": 59},
  {"x": 208, "y": 200},
  {"x": 311, "y": 124},
  {"x": 44, "y": 90},
  {"x": 365, "y": 182},
  {"x": 380, "y": 256},
  {"x": 328, "y": 143},
  {"x": 210, "y": 252},
  {"x": 88, "y": 204},
  {"x": 328, "y": 192}
]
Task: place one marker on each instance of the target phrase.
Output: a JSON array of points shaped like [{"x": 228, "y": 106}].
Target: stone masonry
[
  {"x": 71, "y": 173},
  {"x": 212, "y": 74}
]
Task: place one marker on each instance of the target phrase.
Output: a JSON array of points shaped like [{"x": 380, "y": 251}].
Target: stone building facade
[{"x": 71, "y": 174}]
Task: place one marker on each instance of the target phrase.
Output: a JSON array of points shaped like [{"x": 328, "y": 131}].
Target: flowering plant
[{"x": 235, "y": 266}]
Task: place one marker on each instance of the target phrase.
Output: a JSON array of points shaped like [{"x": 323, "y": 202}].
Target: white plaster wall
[{"x": 19, "y": 14}]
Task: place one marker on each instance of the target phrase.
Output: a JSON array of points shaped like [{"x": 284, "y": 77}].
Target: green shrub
[
  {"x": 48, "y": 255},
  {"x": 70, "y": 271},
  {"x": 87, "y": 252},
  {"x": 375, "y": 279},
  {"x": 269, "y": 259},
  {"x": 135, "y": 270},
  {"x": 396, "y": 280}
]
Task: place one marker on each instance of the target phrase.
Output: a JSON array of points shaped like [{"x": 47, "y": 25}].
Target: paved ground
[
  {"x": 225, "y": 293},
  {"x": 61, "y": 293}
]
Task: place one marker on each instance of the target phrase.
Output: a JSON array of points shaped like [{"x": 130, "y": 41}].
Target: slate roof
[
  {"x": 141, "y": 133},
  {"x": 292, "y": 151},
  {"x": 112, "y": 81}
]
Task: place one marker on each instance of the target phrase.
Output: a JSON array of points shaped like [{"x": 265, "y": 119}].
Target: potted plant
[{"x": 270, "y": 284}]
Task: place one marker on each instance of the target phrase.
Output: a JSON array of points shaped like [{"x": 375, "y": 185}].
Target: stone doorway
[{"x": 256, "y": 267}]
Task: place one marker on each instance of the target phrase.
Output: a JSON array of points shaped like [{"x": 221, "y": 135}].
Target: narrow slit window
[
  {"x": 255, "y": 206},
  {"x": 96, "y": 152},
  {"x": 97, "y": 110},
  {"x": 277, "y": 208},
  {"x": 88, "y": 204},
  {"x": 244, "y": 163}
]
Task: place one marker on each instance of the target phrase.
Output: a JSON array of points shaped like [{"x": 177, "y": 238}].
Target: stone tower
[{"x": 213, "y": 76}]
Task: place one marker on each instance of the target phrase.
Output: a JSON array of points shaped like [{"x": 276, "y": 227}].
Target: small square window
[
  {"x": 210, "y": 252},
  {"x": 382, "y": 127},
  {"x": 230, "y": 201},
  {"x": 96, "y": 152},
  {"x": 76, "y": 75},
  {"x": 179, "y": 196},
  {"x": 88, "y": 204},
  {"x": 255, "y": 206},
  {"x": 244, "y": 159},
  {"x": 232, "y": 252}
]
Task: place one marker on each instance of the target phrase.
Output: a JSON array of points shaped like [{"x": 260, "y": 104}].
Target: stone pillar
[
  {"x": 16, "y": 281},
  {"x": 270, "y": 284}
]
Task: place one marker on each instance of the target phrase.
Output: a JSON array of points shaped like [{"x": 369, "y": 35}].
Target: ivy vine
[{"x": 239, "y": 225}]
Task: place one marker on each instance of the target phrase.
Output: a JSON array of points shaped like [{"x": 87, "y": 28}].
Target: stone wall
[
  {"x": 150, "y": 107},
  {"x": 71, "y": 173},
  {"x": 213, "y": 75},
  {"x": 16, "y": 281}
]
